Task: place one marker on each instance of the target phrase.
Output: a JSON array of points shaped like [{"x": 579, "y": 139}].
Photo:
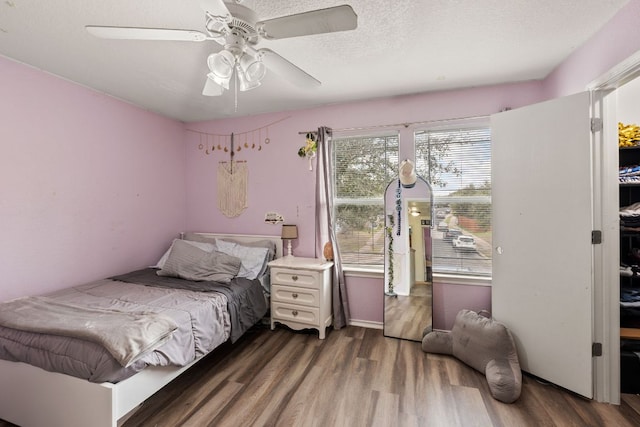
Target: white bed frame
[{"x": 33, "y": 397}]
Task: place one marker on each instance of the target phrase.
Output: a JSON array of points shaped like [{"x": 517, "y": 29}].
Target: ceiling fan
[{"x": 238, "y": 29}]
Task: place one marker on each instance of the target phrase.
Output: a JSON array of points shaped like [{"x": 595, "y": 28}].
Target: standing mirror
[{"x": 408, "y": 278}]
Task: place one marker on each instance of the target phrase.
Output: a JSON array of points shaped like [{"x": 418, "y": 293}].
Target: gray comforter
[
  {"x": 205, "y": 318},
  {"x": 245, "y": 300},
  {"x": 125, "y": 335}
]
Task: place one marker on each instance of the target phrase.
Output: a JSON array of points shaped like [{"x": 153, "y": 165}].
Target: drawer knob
[
  {"x": 294, "y": 312},
  {"x": 294, "y": 278},
  {"x": 294, "y": 296}
]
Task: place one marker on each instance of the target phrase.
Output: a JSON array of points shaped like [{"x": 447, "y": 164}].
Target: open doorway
[{"x": 615, "y": 100}]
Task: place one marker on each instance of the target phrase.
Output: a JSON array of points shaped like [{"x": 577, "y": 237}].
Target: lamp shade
[{"x": 289, "y": 231}]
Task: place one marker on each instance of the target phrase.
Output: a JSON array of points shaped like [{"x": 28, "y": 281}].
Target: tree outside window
[{"x": 363, "y": 168}]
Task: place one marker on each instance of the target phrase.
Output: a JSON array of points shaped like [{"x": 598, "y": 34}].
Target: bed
[{"x": 63, "y": 395}]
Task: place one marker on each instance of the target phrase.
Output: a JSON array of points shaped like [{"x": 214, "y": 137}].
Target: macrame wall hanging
[{"x": 233, "y": 175}]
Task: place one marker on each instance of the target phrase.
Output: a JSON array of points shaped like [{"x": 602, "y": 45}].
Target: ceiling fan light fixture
[
  {"x": 222, "y": 64},
  {"x": 222, "y": 81},
  {"x": 211, "y": 88},
  {"x": 244, "y": 84},
  {"x": 254, "y": 69}
]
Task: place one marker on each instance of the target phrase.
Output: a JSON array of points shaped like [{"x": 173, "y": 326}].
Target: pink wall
[
  {"x": 449, "y": 299},
  {"x": 615, "y": 42},
  {"x": 366, "y": 298},
  {"x": 89, "y": 186}
]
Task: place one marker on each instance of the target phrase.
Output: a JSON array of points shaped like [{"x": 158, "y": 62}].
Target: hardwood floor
[
  {"x": 356, "y": 377},
  {"x": 407, "y": 316}
]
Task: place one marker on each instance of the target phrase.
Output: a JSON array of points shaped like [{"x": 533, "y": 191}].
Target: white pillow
[
  {"x": 253, "y": 259},
  {"x": 209, "y": 247}
]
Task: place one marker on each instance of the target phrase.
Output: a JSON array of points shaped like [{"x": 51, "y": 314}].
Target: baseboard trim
[{"x": 366, "y": 324}]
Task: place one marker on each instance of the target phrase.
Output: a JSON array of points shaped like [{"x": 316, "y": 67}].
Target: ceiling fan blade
[
  {"x": 212, "y": 88},
  {"x": 217, "y": 9},
  {"x": 339, "y": 18},
  {"x": 286, "y": 69},
  {"x": 131, "y": 33}
]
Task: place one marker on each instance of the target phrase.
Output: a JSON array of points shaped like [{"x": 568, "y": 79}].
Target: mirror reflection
[{"x": 408, "y": 255}]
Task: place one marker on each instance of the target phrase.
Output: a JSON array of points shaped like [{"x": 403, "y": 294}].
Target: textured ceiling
[{"x": 400, "y": 47}]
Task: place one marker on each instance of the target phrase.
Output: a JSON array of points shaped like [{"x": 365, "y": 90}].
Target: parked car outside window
[
  {"x": 443, "y": 226},
  {"x": 451, "y": 234},
  {"x": 466, "y": 243}
]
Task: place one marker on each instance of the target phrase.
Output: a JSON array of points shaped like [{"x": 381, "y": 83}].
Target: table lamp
[{"x": 289, "y": 232}]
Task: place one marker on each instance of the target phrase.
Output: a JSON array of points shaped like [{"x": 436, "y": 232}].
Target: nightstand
[{"x": 301, "y": 293}]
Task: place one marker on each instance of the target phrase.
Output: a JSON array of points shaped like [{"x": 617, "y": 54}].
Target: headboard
[{"x": 246, "y": 238}]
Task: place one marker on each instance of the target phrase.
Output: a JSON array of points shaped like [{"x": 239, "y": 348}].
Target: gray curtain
[{"x": 324, "y": 225}]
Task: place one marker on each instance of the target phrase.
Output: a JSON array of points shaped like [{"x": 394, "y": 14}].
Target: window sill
[
  {"x": 459, "y": 279},
  {"x": 374, "y": 271},
  {"x": 377, "y": 272}
]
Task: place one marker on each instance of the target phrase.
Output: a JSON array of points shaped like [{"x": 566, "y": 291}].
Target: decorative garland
[
  {"x": 249, "y": 140},
  {"x": 399, "y": 206},
  {"x": 390, "y": 255},
  {"x": 309, "y": 149}
]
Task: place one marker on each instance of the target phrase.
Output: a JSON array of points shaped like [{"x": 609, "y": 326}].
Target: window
[
  {"x": 363, "y": 167},
  {"x": 457, "y": 164}
]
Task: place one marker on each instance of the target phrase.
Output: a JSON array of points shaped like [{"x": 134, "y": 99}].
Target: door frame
[{"x": 606, "y": 299}]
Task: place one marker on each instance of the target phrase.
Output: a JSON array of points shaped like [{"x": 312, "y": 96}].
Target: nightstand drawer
[
  {"x": 299, "y": 314},
  {"x": 304, "y": 296},
  {"x": 282, "y": 276}
]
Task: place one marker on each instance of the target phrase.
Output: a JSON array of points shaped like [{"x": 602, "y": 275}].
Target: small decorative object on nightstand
[
  {"x": 289, "y": 232},
  {"x": 328, "y": 251},
  {"x": 301, "y": 293}
]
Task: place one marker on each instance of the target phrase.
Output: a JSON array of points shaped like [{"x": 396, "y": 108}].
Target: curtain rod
[{"x": 406, "y": 125}]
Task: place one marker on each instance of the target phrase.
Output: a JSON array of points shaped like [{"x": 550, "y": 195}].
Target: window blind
[
  {"x": 457, "y": 163},
  {"x": 364, "y": 165}
]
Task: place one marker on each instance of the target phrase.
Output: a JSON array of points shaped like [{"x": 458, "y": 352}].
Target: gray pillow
[
  {"x": 269, "y": 244},
  {"x": 195, "y": 237},
  {"x": 265, "y": 243},
  {"x": 487, "y": 346},
  {"x": 189, "y": 262}
]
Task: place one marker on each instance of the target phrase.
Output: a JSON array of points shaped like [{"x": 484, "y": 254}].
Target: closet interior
[{"x": 628, "y": 114}]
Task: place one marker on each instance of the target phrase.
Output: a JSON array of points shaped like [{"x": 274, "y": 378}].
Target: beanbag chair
[{"x": 484, "y": 344}]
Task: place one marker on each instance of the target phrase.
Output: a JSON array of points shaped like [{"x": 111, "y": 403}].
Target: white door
[{"x": 542, "y": 223}]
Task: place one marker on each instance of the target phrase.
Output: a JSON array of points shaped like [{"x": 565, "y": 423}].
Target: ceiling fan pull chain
[{"x": 235, "y": 90}]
